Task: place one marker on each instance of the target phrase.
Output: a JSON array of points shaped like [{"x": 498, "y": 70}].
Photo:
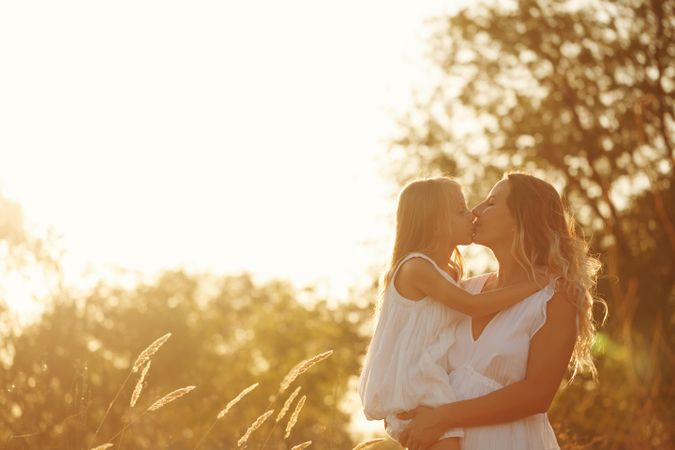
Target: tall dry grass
[{"x": 144, "y": 361}]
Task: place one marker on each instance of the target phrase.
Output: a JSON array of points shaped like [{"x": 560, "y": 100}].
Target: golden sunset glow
[
  {"x": 197, "y": 200},
  {"x": 225, "y": 137}
]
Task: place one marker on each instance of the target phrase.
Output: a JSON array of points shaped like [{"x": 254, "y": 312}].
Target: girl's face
[
  {"x": 461, "y": 221},
  {"x": 494, "y": 223}
]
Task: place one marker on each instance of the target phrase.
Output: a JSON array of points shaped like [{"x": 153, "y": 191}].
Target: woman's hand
[{"x": 424, "y": 430}]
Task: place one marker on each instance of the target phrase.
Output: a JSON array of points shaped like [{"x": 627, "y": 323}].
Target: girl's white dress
[
  {"x": 406, "y": 362},
  {"x": 496, "y": 359}
]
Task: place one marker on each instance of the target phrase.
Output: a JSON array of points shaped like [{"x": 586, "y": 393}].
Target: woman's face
[
  {"x": 494, "y": 223},
  {"x": 461, "y": 222}
]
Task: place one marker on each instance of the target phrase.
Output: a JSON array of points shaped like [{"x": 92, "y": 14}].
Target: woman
[{"x": 506, "y": 368}]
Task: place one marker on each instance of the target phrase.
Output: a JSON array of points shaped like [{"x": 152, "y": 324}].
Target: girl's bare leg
[{"x": 447, "y": 444}]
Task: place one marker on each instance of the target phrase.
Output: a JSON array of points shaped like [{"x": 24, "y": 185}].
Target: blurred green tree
[
  {"x": 227, "y": 333},
  {"x": 35, "y": 260}
]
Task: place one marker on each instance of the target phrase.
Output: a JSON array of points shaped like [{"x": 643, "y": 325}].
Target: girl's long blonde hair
[
  {"x": 423, "y": 223},
  {"x": 546, "y": 245}
]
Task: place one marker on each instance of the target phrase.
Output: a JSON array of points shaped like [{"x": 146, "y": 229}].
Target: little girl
[{"x": 420, "y": 304}]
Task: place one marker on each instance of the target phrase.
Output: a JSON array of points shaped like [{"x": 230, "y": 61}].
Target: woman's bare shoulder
[{"x": 561, "y": 310}]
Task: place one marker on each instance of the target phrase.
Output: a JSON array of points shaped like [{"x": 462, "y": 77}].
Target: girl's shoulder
[
  {"x": 411, "y": 269},
  {"x": 417, "y": 264}
]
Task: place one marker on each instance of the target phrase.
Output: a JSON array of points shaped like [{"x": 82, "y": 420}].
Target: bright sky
[
  {"x": 219, "y": 136},
  {"x": 214, "y": 135}
]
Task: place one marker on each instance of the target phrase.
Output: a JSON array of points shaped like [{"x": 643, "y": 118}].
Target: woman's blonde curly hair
[{"x": 546, "y": 245}]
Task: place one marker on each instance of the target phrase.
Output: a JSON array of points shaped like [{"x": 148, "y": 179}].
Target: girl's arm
[
  {"x": 417, "y": 275},
  {"x": 550, "y": 351}
]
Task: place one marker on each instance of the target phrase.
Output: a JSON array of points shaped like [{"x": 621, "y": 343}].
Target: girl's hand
[{"x": 424, "y": 430}]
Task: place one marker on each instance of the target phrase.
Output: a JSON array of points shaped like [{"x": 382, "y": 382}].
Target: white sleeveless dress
[
  {"x": 496, "y": 359},
  {"x": 405, "y": 365}
]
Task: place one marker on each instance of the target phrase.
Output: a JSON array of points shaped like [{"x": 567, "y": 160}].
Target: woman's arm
[
  {"x": 418, "y": 276},
  {"x": 550, "y": 351}
]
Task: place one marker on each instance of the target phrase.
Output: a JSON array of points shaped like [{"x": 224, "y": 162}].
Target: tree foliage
[{"x": 227, "y": 333}]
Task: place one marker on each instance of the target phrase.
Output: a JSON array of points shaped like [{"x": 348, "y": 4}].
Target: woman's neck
[{"x": 510, "y": 272}]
